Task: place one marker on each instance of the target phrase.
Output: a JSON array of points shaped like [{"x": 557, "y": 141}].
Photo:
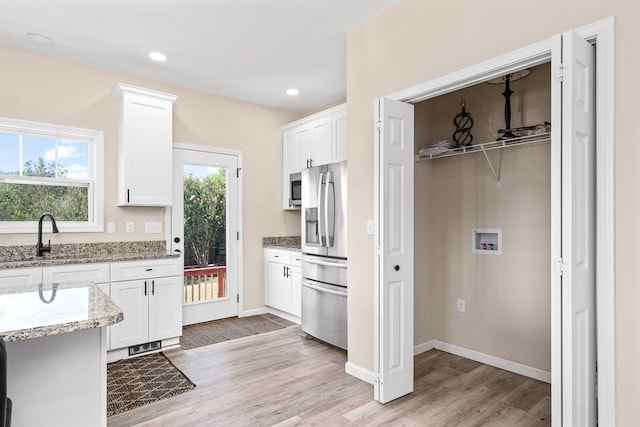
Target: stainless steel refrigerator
[{"x": 324, "y": 253}]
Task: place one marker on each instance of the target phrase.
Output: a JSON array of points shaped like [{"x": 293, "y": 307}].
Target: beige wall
[
  {"x": 508, "y": 296},
  {"x": 415, "y": 41},
  {"x": 43, "y": 89}
]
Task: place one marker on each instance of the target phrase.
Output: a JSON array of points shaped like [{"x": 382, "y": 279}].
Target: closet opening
[{"x": 482, "y": 224}]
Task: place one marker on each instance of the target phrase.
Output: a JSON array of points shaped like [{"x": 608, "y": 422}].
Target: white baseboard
[
  {"x": 487, "y": 359},
  {"x": 425, "y": 346},
  {"x": 264, "y": 310},
  {"x": 253, "y": 312},
  {"x": 359, "y": 372}
]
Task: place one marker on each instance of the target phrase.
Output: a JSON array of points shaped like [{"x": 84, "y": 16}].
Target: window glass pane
[
  {"x": 34, "y": 151},
  {"x": 73, "y": 159},
  {"x": 20, "y": 202},
  {"x": 9, "y": 158}
]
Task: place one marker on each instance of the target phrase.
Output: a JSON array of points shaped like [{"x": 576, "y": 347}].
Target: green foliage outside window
[
  {"x": 26, "y": 202},
  {"x": 204, "y": 214}
]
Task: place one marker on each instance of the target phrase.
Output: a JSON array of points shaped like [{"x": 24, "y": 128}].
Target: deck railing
[{"x": 205, "y": 283}]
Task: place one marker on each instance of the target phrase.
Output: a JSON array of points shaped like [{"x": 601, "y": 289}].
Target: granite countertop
[
  {"x": 32, "y": 311},
  {"x": 83, "y": 253},
  {"x": 291, "y": 243}
]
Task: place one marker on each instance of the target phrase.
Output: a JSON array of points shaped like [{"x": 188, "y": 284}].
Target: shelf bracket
[{"x": 491, "y": 166}]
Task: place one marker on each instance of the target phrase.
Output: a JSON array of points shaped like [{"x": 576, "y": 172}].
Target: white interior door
[
  {"x": 211, "y": 269},
  {"x": 394, "y": 248},
  {"x": 574, "y": 349}
]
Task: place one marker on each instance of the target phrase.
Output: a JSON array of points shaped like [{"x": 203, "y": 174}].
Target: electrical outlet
[
  {"x": 461, "y": 307},
  {"x": 130, "y": 227}
]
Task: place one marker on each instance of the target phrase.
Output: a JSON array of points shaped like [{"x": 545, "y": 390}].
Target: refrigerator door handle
[
  {"x": 322, "y": 219},
  {"x": 325, "y": 263},
  {"x": 330, "y": 209},
  {"x": 325, "y": 290}
]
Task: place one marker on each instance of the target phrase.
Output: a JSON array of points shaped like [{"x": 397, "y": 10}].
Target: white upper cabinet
[
  {"x": 145, "y": 137},
  {"x": 313, "y": 141}
]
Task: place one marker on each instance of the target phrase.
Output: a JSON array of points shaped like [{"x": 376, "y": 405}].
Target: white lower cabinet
[
  {"x": 150, "y": 300},
  {"x": 283, "y": 280}
]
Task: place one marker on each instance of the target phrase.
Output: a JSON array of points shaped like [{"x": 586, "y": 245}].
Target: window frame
[{"x": 95, "y": 191}]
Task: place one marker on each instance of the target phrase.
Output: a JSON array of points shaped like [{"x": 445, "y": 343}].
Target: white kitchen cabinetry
[
  {"x": 149, "y": 293},
  {"x": 21, "y": 276},
  {"x": 313, "y": 141},
  {"x": 283, "y": 280},
  {"x": 145, "y": 138}
]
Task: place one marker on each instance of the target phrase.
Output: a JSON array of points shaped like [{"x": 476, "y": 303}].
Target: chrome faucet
[{"x": 40, "y": 248}]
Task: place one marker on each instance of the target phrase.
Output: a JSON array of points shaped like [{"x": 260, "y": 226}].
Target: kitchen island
[{"x": 57, "y": 353}]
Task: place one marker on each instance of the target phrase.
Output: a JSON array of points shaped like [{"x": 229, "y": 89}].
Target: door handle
[
  {"x": 396, "y": 268},
  {"x": 325, "y": 290}
]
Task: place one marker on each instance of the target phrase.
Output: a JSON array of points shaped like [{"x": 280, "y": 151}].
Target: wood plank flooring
[{"x": 283, "y": 379}]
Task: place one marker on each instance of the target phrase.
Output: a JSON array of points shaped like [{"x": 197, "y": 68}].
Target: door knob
[
  {"x": 176, "y": 239},
  {"x": 396, "y": 268}
]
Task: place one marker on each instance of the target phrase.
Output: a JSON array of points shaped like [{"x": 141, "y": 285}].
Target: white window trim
[{"x": 96, "y": 187}]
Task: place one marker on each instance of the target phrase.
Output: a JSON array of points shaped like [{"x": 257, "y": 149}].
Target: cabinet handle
[
  {"x": 153, "y": 287},
  {"x": 127, "y": 195},
  {"x": 145, "y": 288}
]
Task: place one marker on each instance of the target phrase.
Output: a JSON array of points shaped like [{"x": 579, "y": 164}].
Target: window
[{"x": 50, "y": 168}]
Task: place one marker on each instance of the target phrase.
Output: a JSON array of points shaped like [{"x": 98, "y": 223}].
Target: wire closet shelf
[{"x": 488, "y": 146}]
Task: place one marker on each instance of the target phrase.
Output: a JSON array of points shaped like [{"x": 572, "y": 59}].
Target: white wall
[
  {"x": 44, "y": 89},
  {"x": 414, "y": 41}
]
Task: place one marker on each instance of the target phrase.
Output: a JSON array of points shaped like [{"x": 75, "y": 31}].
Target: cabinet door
[
  {"x": 145, "y": 137},
  {"x": 295, "y": 278},
  {"x": 165, "y": 308},
  {"x": 131, "y": 297},
  {"x": 278, "y": 289},
  {"x": 303, "y": 141},
  {"x": 321, "y": 141},
  {"x": 339, "y": 139}
]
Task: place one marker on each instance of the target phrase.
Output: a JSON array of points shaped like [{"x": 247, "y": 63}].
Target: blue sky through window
[
  {"x": 73, "y": 156},
  {"x": 199, "y": 171}
]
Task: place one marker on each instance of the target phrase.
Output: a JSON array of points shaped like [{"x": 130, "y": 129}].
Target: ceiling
[{"x": 252, "y": 50}]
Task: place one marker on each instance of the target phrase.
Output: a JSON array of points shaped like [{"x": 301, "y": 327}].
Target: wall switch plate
[
  {"x": 152, "y": 227},
  {"x": 111, "y": 227},
  {"x": 461, "y": 307},
  {"x": 130, "y": 227}
]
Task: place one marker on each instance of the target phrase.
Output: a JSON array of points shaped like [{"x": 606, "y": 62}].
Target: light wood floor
[{"x": 282, "y": 379}]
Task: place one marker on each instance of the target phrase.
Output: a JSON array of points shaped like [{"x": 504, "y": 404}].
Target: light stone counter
[
  {"x": 51, "y": 309},
  {"x": 57, "y": 353}
]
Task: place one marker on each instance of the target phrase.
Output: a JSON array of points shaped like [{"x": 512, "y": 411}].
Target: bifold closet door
[
  {"x": 394, "y": 248},
  {"x": 573, "y": 211}
]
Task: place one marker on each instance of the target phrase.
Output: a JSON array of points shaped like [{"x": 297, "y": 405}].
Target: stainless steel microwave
[{"x": 295, "y": 190}]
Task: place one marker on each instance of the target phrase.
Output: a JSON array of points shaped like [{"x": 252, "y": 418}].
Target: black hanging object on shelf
[
  {"x": 463, "y": 123},
  {"x": 507, "y": 79}
]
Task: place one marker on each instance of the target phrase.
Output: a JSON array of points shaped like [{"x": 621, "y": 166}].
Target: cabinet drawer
[
  {"x": 20, "y": 276},
  {"x": 97, "y": 273},
  {"x": 145, "y": 269},
  {"x": 284, "y": 257}
]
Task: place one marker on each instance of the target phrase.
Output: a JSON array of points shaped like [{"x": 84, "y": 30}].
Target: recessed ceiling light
[
  {"x": 40, "y": 39},
  {"x": 292, "y": 92},
  {"x": 157, "y": 56}
]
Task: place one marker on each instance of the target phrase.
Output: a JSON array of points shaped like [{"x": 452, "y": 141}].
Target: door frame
[
  {"x": 168, "y": 211},
  {"x": 601, "y": 34}
]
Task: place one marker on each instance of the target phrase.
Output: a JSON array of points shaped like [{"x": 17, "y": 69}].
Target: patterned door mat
[
  {"x": 142, "y": 380},
  {"x": 216, "y": 331}
]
